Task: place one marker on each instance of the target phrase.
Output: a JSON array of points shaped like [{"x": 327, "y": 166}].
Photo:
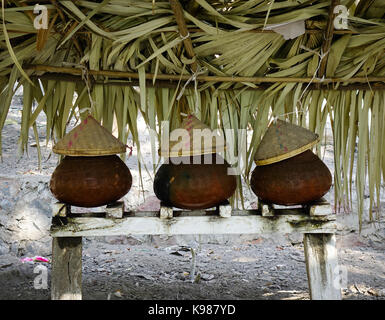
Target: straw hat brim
[
  {"x": 283, "y": 140},
  {"x": 88, "y": 152},
  {"x": 288, "y": 155}
]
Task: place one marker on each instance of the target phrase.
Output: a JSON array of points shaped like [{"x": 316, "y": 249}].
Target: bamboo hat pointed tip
[
  {"x": 284, "y": 140},
  {"x": 89, "y": 138},
  {"x": 186, "y": 147}
]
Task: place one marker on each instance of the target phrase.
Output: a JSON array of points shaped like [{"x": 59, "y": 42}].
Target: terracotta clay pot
[
  {"x": 194, "y": 186},
  {"x": 90, "y": 181},
  {"x": 297, "y": 180}
]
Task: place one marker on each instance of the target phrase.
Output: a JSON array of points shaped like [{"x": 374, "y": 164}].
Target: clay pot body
[
  {"x": 90, "y": 181},
  {"x": 194, "y": 186},
  {"x": 297, "y": 180}
]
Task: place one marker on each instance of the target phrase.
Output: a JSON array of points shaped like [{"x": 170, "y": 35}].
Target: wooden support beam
[
  {"x": 320, "y": 208},
  {"x": 66, "y": 275},
  {"x": 201, "y": 78},
  {"x": 115, "y": 210},
  {"x": 225, "y": 209},
  {"x": 184, "y": 33},
  {"x": 328, "y": 37},
  {"x": 165, "y": 211},
  {"x": 111, "y": 82},
  {"x": 322, "y": 266},
  {"x": 267, "y": 210},
  {"x": 319, "y": 239},
  {"x": 170, "y": 84},
  {"x": 179, "y": 225},
  {"x": 60, "y": 209}
]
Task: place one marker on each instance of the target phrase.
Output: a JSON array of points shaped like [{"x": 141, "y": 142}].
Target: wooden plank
[
  {"x": 115, "y": 210},
  {"x": 60, "y": 209},
  {"x": 328, "y": 37},
  {"x": 168, "y": 84},
  {"x": 66, "y": 275},
  {"x": 184, "y": 33},
  {"x": 189, "y": 213},
  {"x": 225, "y": 209},
  {"x": 320, "y": 208},
  {"x": 112, "y": 74},
  {"x": 321, "y": 266},
  {"x": 73, "y": 227},
  {"x": 267, "y": 210},
  {"x": 165, "y": 212}
]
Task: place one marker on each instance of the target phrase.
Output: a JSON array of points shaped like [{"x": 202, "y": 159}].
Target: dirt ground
[
  {"x": 254, "y": 270},
  {"x": 123, "y": 268}
]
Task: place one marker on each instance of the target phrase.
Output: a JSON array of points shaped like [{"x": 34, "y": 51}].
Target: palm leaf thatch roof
[{"x": 218, "y": 59}]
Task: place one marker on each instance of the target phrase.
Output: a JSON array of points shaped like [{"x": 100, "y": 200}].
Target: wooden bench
[{"x": 316, "y": 222}]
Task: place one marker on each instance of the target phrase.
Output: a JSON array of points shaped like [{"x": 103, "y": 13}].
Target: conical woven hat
[
  {"x": 284, "y": 140},
  {"x": 89, "y": 139},
  {"x": 184, "y": 146}
]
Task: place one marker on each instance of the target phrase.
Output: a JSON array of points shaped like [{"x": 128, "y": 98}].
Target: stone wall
[{"x": 25, "y": 215}]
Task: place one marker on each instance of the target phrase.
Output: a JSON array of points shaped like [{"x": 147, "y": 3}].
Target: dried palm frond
[{"x": 142, "y": 38}]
